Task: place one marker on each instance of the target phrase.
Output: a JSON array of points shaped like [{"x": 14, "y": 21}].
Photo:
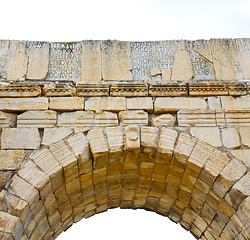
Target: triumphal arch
[{"x": 92, "y": 125}]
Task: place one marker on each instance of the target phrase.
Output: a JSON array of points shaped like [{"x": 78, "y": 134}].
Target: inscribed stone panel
[
  {"x": 65, "y": 62},
  {"x": 147, "y": 55},
  {"x": 4, "y": 46}
]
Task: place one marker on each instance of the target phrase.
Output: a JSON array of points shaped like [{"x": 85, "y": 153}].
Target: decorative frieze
[
  {"x": 168, "y": 89},
  {"x": 207, "y": 89},
  {"x": 129, "y": 90},
  {"x": 19, "y": 90},
  {"x": 59, "y": 90},
  {"x": 237, "y": 88},
  {"x": 92, "y": 89}
]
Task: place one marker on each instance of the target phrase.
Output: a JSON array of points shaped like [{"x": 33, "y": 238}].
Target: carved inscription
[
  {"x": 147, "y": 55},
  {"x": 65, "y": 62},
  {"x": 203, "y": 69},
  {"x": 4, "y": 46}
]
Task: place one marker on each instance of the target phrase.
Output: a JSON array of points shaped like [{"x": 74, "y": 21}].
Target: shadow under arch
[{"x": 159, "y": 169}]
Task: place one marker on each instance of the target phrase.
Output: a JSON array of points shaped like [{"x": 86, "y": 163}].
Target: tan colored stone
[
  {"x": 38, "y": 64},
  {"x": 229, "y": 102},
  {"x": 210, "y": 135},
  {"x": 129, "y": 89},
  {"x": 17, "y": 63},
  {"x": 16, "y": 89},
  {"x": 230, "y": 137},
  {"x": 116, "y": 60},
  {"x": 175, "y": 104},
  {"x": 155, "y": 71},
  {"x": 66, "y": 103},
  {"x": 52, "y": 135},
  {"x": 40, "y": 119},
  {"x": 23, "y": 104},
  {"x": 10, "y": 224},
  {"x": 5, "y": 177},
  {"x": 166, "y": 75},
  {"x": 91, "y": 61},
  {"x": 196, "y": 118},
  {"x": 92, "y": 89},
  {"x": 59, "y": 90},
  {"x": 245, "y": 135},
  {"x": 105, "y": 119},
  {"x": 243, "y": 155},
  {"x": 214, "y": 103},
  {"x": 149, "y": 137},
  {"x": 133, "y": 118},
  {"x": 182, "y": 67},
  {"x": 4, "y": 48},
  {"x": 240, "y": 117},
  {"x": 106, "y": 104},
  {"x": 20, "y": 138},
  {"x": 11, "y": 159},
  {"x": 170, "y": 89},
  {"x": 244, "y": 54},
  {"x": 165, "y": 120},
  {"x": 115, "y": 139},
  {"x": 76, "y": 119},
  {"x": 7, "y": 119},
  {"x": 140, "y": 103},
  {"x": 132, "y": 137}
]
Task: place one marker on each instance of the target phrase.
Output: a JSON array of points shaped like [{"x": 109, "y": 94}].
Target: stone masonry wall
[{"x": 91, "y": 125}]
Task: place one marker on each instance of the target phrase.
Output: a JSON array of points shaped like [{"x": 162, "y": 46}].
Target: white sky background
[{"x": 133, "y": 20}]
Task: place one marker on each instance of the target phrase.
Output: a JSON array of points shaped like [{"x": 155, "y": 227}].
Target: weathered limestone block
[
  {"x": 39, "y": 119},
  {"x": 23, "y": 104},
  {"x": 168, "y": 89},
  {"x": 4, "y": 48},
  {"x": 229, "y": 175},
  {"x": 74, "y": 119},
  {"x": 133, "y": 118},
  {"x": 245, "y": 135},
  {"x": 229, "y": 102},
  {"x": 175, "y": 104},
  {"x": 167, "y": 142},
  {"x": 207, "y": 89},
  {"x": 149, "y": 138},
  {"x": 182, "y": 67},
  {"x": 92, "y": 89},
  {"x": 132, "y": 137},
  {"x": 7, "y": 119},
  {"x": 91, "y": 61},
  {"x": 113, "y": 104},
  {"x": 196, "y": 118},
  {"x": 17, "y": 62},
  {"x": 210, "y": 135},
  {"x": 165, "y": 120},
  {"x": 59, "y": 90},
  {"x": 116, "y": 60},
  {"x": 10, "y": 224},
  {"x": 244, "y": 54},
  {"x": 19, "y": 90},
  {"x": 66, "y": 103},
  {"x": 243, "y": 155},
  {"x": 38, "y": 60},
  {"x": 52, "y": 135},
  {"x": 214, "y": 103},
  {"x": 237, "y": 88},
  {"x": 115, "y": 139},
  {"x": 230, "y": 137},
  {"x": 11, "y": 159},
  {"x": 239, "y": 117},
  {"x": 105, "y": 119},
  {"x": 129, "y": 90},
  {"x": 20, "y": 138},
  {"x": 140, "y": 103},
  {"x": 99, "y": 149}
]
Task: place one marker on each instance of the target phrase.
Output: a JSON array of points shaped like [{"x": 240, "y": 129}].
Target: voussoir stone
[
  {"x": 66, "y": 103},
  {"x": 23, "y": 104},
  {"x": 106, "y": 104},
  {"x": 243, "y": 155},
  {"x": 20, "y": 138},
  {"x": 175, "y": 104},
  {"x": 210, "y": 135},
  {"x": 52, "y": 135},
  {"x": 11, "y": 159}
]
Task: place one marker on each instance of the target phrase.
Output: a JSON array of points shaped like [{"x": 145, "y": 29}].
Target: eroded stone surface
[
  {"x": 11, "y": 159},
  {"x": 52, "y": 135}
]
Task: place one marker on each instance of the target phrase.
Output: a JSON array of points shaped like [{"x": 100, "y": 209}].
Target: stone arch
[{"x": 160, "y": 169}]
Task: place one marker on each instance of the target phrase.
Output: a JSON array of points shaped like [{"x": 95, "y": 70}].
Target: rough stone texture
[
  {"x": 243, "y": 155},
  {"x": 178, "y": 103},
  {"x": 11, "y": 159},
  {"x": 28, "y": 138},
  {"x": 245, "y": 135},
  {"x": 78, "y": 118},
  {"x": 66, "y": 104},
  {"x": 230, "y": 137},
  {"x": 52, "y": 135},
  {"x": 105, "y": 119},
  {"x": 7, "y": 119},
  {"x": 166, "y": 120},
  {"x": 210, "y": 135},
  {"x": 140, "y": 103},
  {"x": 214, "y": 103},
  {"x": 38, "y": 60},
  {"x": 23, "y": 104},
  {"x": 133, "y": 118},
  {"x": 229, "y": 102},
  {"x": 106, "y": 104}
]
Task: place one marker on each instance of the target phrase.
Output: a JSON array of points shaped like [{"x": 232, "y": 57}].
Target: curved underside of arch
[{"x": 160, "y": 169}]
